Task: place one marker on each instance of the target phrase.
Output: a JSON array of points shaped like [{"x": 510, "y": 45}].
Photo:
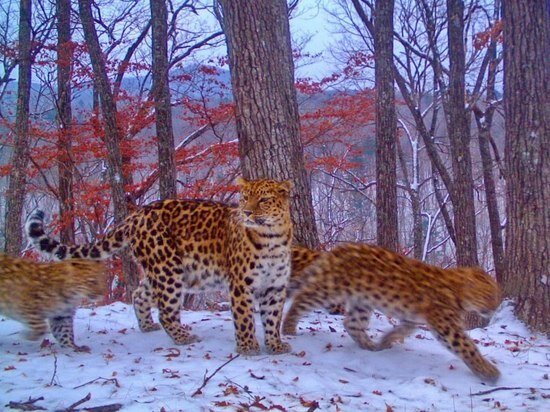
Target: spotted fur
[
  {"x": 187, "y": 246},
  {"x": 368, "y": 277},
  {"x": 41, "y": 293}
]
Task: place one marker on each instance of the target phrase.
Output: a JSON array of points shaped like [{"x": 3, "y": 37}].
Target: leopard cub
[
  {"x": 366, "y": 277},
  {"x": 41, "y": 293}
]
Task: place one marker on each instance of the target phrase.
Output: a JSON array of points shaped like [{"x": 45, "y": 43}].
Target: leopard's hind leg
[
  {"x": 143, "y": 305},
  {"x": 62, "y": 330},
  {"x": 447, "y": 327}
]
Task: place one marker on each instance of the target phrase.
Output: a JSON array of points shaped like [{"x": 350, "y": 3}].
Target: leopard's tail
[{"x": 101, "y": 249}]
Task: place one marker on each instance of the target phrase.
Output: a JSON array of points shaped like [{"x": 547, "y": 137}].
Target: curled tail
[{"x": 99, "y": 250}]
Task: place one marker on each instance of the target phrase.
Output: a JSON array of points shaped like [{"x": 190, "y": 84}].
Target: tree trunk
[
  {"x": 484, "y": 121},
  {"x": 64, "y": 118},
  {"x": 113, "y": 136},
  {"x": 161, "y": 96},
  {"x": 527, "y": 121},
  {"x": 262, "y": 76},
  {"x": 386, "y": 127},
  {"x": 459, "y": 136},
  {"x": 15, "y": 195}
]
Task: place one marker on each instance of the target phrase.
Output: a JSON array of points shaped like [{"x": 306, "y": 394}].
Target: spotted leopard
[
  {"x": 369, "y": 277},
  {"x": 187, "y": 246},
  {"x": 39, "y": 294}
]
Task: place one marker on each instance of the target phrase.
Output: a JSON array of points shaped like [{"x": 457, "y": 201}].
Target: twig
[
  {"x": 505, "y": 388},
  {"x": 207, "y": 378},
  {"x": 54, "y": 368},
  {"x": 113, "y": 380},
  {"x": 27, "y": 405},
  {"x": 105, "y": 408},
  {"x": 80, "y": 402}
]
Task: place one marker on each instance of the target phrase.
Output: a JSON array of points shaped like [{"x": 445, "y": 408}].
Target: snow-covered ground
[{"x": 326, "y": 369}]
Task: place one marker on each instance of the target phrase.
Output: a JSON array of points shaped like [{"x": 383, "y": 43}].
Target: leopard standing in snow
[
  {"x": 187, "y": 246},
  {"x": 39, "y": 294},
  {"x": 369, "y": 277}
]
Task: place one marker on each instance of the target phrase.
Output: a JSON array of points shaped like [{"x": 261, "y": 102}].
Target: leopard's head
[
  {"x": 480, "y": 292},
  {"x": 264, "y": 202}
]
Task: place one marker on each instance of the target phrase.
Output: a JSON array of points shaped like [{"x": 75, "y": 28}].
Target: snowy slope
[{"x": 146, "y": 372}]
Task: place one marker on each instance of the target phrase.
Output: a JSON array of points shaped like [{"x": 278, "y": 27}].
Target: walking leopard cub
[
  {"x": 41, "y": 293},
  {"x": 367, "y": 277},
  {"x": 186, "y": 246}
]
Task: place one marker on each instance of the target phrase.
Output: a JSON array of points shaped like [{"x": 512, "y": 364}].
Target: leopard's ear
[
  {"x": 286, "y": 186},
  {"x": 241, "y": 181}
]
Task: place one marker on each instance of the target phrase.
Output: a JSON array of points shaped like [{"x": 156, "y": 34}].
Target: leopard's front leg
[
  {"x": 271, "y": 303},
  {"x": 242, "y": 309}
]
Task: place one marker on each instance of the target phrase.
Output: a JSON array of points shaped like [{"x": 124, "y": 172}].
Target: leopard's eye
[{"x": 263, "y": 199}]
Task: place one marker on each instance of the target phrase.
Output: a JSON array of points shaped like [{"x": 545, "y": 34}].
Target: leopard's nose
[{"x": 247, "y": 212}]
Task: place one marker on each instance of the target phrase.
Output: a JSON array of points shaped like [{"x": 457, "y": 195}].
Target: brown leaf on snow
[
  {"x": 312, "y": 405},
  {"x": 300, "y": 354},
  {"x": 172, "y": 353},
  {"x": 429, "y": 381},
  {"x": 343, "y": 381},
  {"x": 231, "y": 390},
  {"x": 296, "y": 379},
  {"x": 389, "y": 408},
  {"x": 377, "y": 392},
  {"x": 222, "y": 404},
  {"x": 328, "y": 347},
  {"x": 9, "y": 368},
  {"x": 123, "y": 331}
]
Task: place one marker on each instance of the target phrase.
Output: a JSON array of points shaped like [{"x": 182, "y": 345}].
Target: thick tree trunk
[
  {"x": 113, "y": 136},
  {"x": 64, "y": 118},
  {"x": 527, "y": 121},
  {"x": 459, "y": 137},
  {"x": 262, "y": 76},
  {"x": 15, "y": 195},
  {"x": 161, "y": 96},
  {"x": 386, "y": 127}
]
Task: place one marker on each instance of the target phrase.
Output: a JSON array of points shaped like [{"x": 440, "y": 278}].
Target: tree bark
[
  {"x": 386, "y": 127},
  {"x": 527, "y": 121},
  {"x": 64, "y": 119},
  {"x": 161, "y": 97},
  {"x": 113, "y": 136},
  {"x": 484, "y": 121},
  {"x": 15, "y": 195},
  {"x": 459, "y": 136},
  {"x": 262, "y": 77}
]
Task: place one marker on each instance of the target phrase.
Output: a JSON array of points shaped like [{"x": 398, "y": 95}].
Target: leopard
[
  {"x": 196, "y": 245},
  {"x": 42, "y": 293},
  {"x": 303, "y": 256},
  {"x": 368, "y": 277}
]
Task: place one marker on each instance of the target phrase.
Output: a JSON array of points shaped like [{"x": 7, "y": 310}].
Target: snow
[{"x": 146, "y": 372}]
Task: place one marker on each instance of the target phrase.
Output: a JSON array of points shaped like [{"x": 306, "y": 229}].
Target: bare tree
[
  {"x": 526, "y": 91},
  {"x": 15, "y": 195},
  {"x": 262, "y": 76},
  {"x": 458, "y": 127},
  {"x": 161, "y": 97},
  {"x": 113, "y": 135},
  {"x": 386, "y": 127},
  {"x": 64, "y": 118},
  {"x": 484, "y": 121}
]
